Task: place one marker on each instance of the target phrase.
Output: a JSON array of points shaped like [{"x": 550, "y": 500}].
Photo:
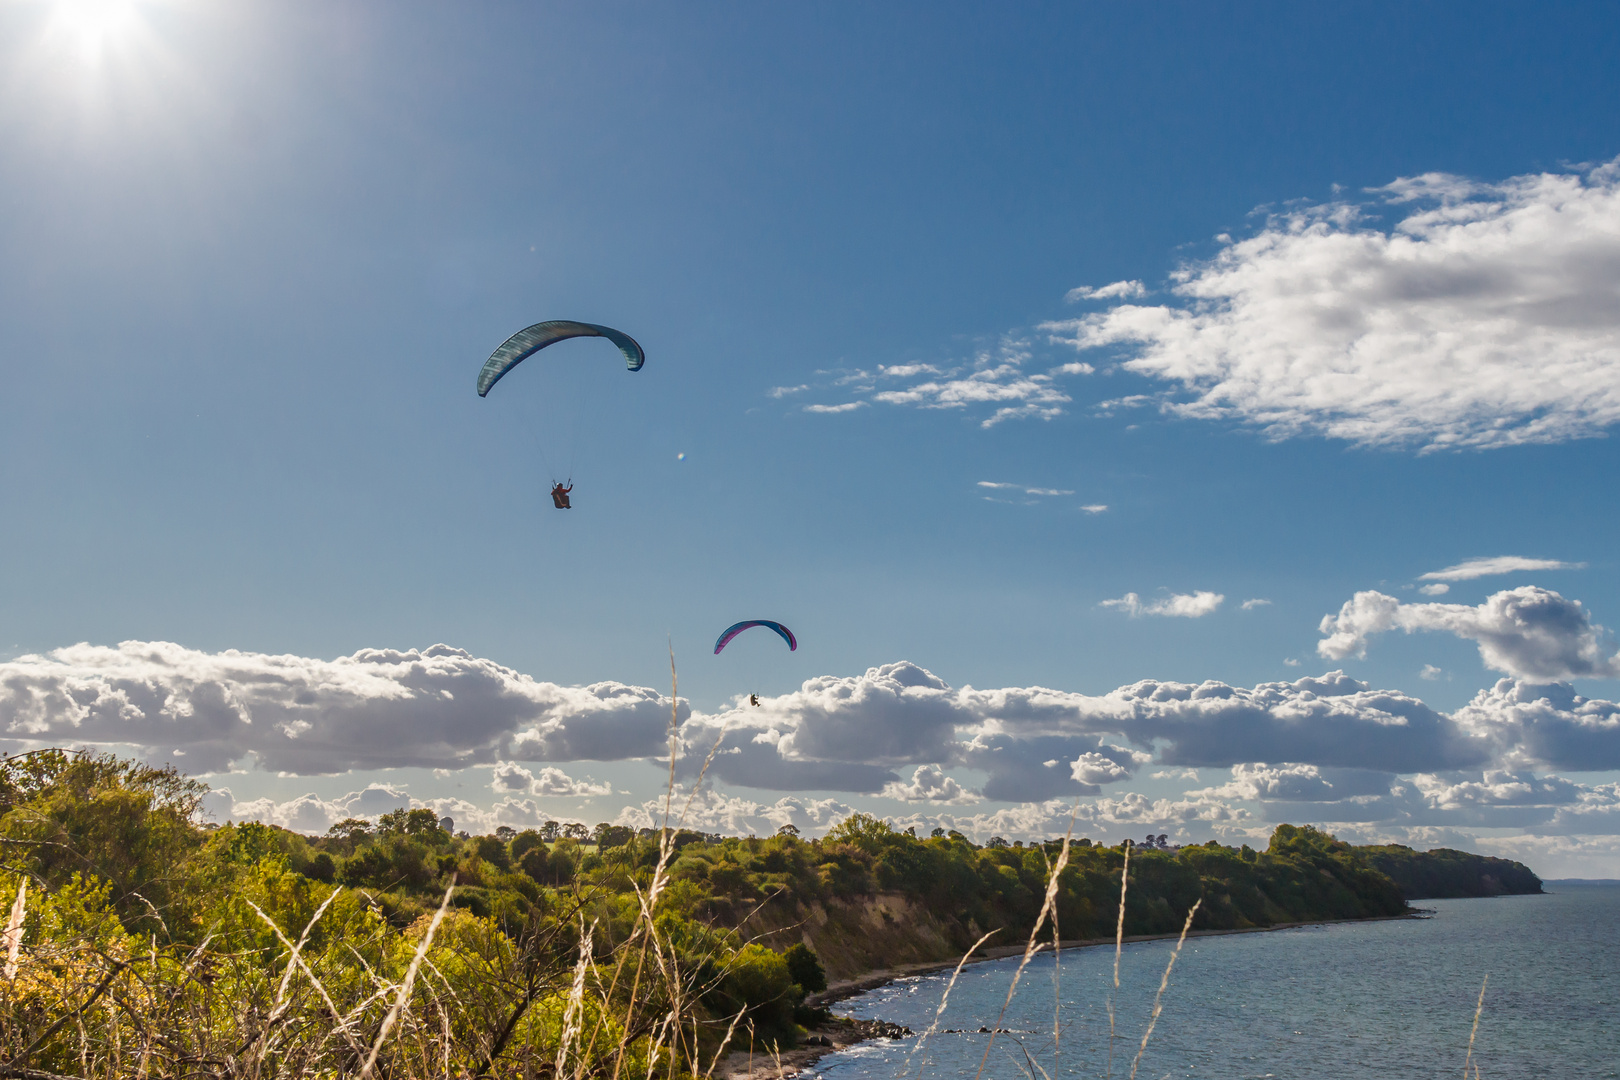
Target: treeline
[
  {"x": 1445, "y": 873},
  {"x": 544, "y": 929}
]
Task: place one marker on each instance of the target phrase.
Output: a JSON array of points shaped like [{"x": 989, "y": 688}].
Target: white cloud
[
  {"x": 1294, "y": 783},
  {"x": 1119, "y": 290},
  {"x": 848, "y": 733},
  {"x": 1437, "y": 589},
  {"x": 1500, "y": 564},
  {"x": 1176, "y": 774},
  {"x": 1178, "y": 605},
  {"x": 1043, "y": 492},
  {"x": 306, "y": 813},
  {"x": 784, "y": 391},
  {"x": 930, "y": 784},
  {"x": 1093, "y": 768},
  {"x": 1497, "y": 787},
  {"x": 712, "y": 811},
  {"x": 1529, "y": 632},
  {"x": 906, "y": 371},
  {"x": 1031, "y": 820},
  {"x": 1544, "y": 725},
  {"x": 848, "y": 406},
  {"x": 379, "y": 708},
  {"x": 1430, "y": 672},
  {"x": 1257, "y": 602},
  {"x": 1134, "y": 808},
  {"x": 511, "y": 777},
  {"x": 1485, "y": 319},
  {"x": 995, "y": 377},
  {"x": 1095, "y": 508}
]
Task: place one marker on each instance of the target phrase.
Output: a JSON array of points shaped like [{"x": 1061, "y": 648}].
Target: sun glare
[{"x": 91, "y": 27}]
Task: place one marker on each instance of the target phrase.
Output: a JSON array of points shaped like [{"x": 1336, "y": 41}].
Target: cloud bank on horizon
[{"x": 1325, "y": 748}]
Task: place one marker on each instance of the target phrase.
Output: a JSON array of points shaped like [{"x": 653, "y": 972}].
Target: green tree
[{"x": 804, "y": 966}]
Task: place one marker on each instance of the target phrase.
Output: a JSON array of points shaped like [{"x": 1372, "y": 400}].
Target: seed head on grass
[
  {"x": 1478, "y": 1008},
  {"x": 1158, "y": 999}
]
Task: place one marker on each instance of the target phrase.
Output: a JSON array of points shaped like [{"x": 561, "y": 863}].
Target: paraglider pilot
[
  {"x": 753, "y": 699},
  {"x": 559, "y": 496}
]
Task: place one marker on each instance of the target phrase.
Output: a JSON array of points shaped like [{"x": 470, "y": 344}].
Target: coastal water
[{"x": 1351, "y": 1001}]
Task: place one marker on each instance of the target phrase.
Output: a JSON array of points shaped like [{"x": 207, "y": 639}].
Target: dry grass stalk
[
  {"x": 933, "y": 1025},
  {"x": 1158, "y": 999},
  {"x": 1035, "y": 944},
  {"x": 1119, "y": 944},
  {"x": 410, "y": 979},
  {"x": 576, "y": 998},
  {"x": 12, "y": 939},
  {"x": 1478, "y": 1009}
]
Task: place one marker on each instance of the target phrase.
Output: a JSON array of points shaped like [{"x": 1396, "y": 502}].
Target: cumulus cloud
[
  {"x": 1257, "y": 602},
  {"x": 1118, "y": 290},
  {"x": 848, "y": 406},
  {"x": 785, "y": 391},
  {"x": 712, "y": 811},
  {"x": 1484, "y": 318},
  {"x": 849, "y": 733},
  {"x": 1500, "y": 564},
  {"x": 1430, "y": 672},
  {"x": 930, "y": 784},
  {"x": 1437, "y": 589},
  {"x": 307, "y": 813},
  {"x": 1497, "y": 787},
  {"x": 509, "y": 777},
  {"x": 1296, "y": 783},
  {"x": 1178, "y": 605},
  {"x": 1328, "y": 749},
  {"x": 1529, "y": 632},
  {"x": 1134, "y": 808},
  {"x": 379, "y": 708},
  {"x": 1094, "y": 768},
  {"x": 1547, "y": 725},
  {"x": 1095, "y": 508},
  {"x": 1038, "y": 820}
]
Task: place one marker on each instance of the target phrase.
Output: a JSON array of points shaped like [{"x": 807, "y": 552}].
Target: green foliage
[
  {"x": 126, "y": 824},
  {"x": 1445, "y": 873},
  {"x": 804, "y": 967}
]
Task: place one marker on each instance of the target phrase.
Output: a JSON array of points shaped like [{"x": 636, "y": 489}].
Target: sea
[{"x": 1354, "y": 1001}]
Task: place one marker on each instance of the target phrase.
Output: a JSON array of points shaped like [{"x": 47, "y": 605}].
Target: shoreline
[{"x": 742, "y": 1065}]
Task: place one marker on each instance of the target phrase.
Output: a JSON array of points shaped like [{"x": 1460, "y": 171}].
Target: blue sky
[{"x": 252, "y": 256}]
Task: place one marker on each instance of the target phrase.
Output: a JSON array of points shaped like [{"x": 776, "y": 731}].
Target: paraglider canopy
[
  {"x": 737, "y": 628},
  {"x": 525, "y": 343}
]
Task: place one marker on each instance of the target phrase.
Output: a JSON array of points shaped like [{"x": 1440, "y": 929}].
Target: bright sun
[{"x": 89, "y": 27}]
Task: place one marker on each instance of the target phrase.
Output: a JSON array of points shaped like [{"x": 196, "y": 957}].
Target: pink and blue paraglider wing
[{"x": 733, "y": 631}]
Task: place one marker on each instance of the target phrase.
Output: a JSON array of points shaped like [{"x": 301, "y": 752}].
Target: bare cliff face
[{"x": 858, "y": 936}]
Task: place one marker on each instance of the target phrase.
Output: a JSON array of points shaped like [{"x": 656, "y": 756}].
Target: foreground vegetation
[{"x": 143, "y": 943}]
